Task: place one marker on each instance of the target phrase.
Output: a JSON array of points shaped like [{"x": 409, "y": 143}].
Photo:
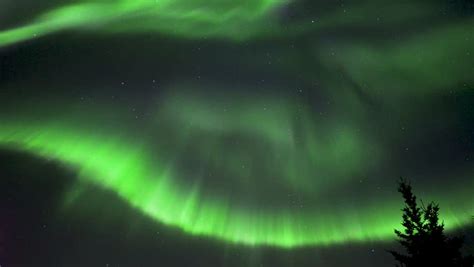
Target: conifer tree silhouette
[{"x": 423, "y": 236}]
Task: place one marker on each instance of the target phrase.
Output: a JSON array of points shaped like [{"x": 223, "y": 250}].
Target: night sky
[{"x": 230, "y": 133}]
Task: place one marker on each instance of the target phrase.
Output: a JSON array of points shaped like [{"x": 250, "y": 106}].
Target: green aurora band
[
  {"x": 233, "y": 19},
  {"x": 223, "y": 19},
  {"x": 149, "y": 169},
  {"x": 130, "y": 166}
]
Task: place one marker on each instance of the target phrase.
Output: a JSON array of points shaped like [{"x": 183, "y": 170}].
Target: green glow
[
  {"x": 435, "y": 59},
  {"x": 233, "y": 19},
  {"x": 307, "y": 151},
  {"x": 141, "y": 176},
  {"x": 261, "y": 143}
]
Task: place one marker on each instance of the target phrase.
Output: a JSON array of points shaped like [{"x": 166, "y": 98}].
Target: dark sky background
[{"x": 220, "y": 133}]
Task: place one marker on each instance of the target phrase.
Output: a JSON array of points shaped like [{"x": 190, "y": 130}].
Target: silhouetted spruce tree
[{"x": 423, "y": 237}]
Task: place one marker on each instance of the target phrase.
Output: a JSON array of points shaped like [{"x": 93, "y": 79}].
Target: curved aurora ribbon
[
  {"x": 232, "y": 19},
  {"x": 228, "y": 19},
  {"x": 130, "y": 170}
]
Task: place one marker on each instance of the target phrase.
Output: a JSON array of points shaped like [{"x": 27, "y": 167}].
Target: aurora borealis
[
  {"x": 263, "y": 124},
  {"x": 187, "y": 18}
]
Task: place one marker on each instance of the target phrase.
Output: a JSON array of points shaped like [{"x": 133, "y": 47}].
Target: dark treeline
[{"x": 423, "y": 236}]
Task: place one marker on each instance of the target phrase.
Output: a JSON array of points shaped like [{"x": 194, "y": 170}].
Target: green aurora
[
  {"x": 138, "y": 168},
  {"x": 204, "y": 158},
  {"x": 184, "y": 17},
  {"x": 234, "y": 20}
]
